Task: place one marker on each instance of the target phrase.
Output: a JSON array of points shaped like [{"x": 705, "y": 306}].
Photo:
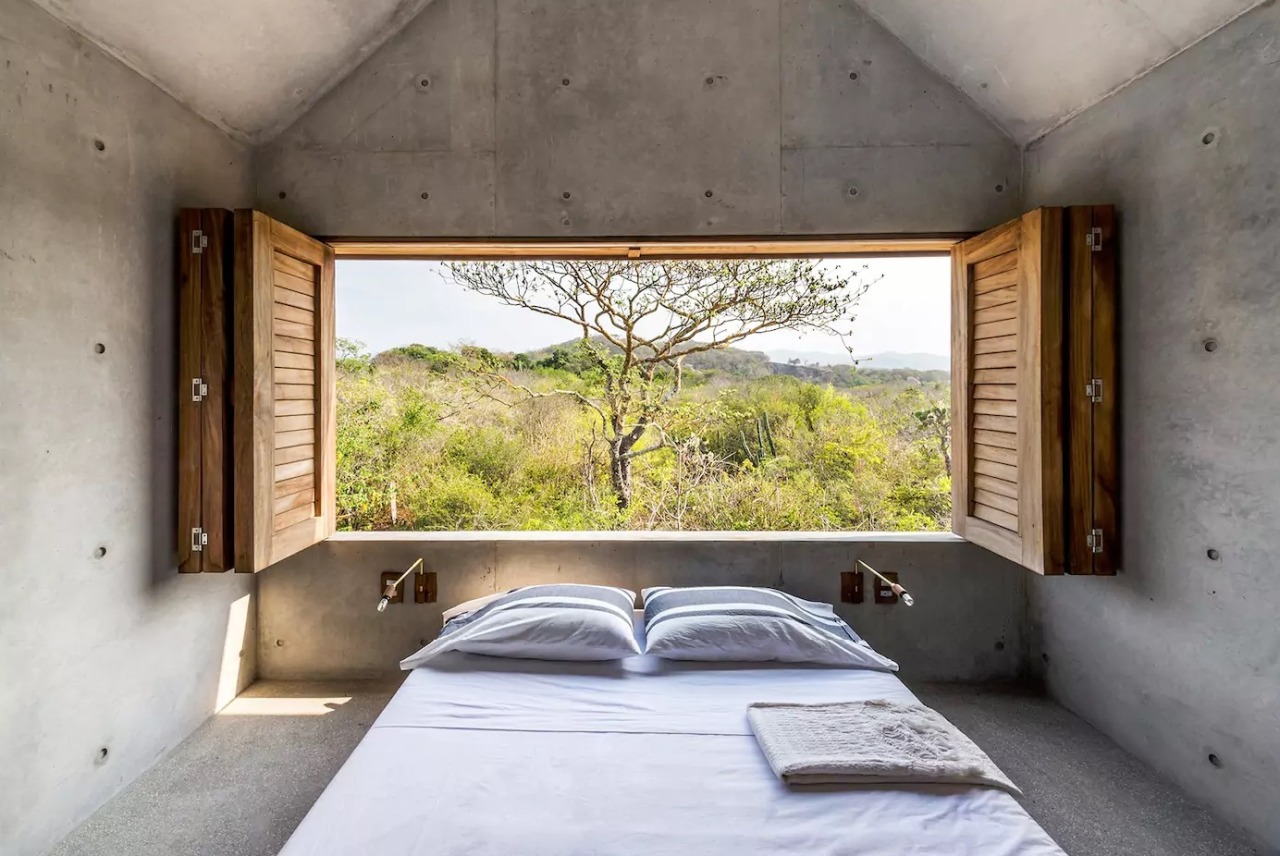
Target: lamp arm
[
  {"x": 390, "y": 591},
  {"x": 897, "y": 589}
]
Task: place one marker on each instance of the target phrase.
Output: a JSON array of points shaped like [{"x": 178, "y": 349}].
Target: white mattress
[{"x": 478, "y": 755}]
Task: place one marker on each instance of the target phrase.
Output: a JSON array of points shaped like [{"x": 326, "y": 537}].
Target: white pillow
[
  {"x": 470, "y": 606},
  {"x": 751, "y": 625},
  {"x": 548, "y": 622}
]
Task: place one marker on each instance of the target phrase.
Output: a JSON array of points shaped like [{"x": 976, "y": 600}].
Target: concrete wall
[
  {"x": 496, "y": 109},
  {"x": 318, "y": 619},
  {"x": 112, "y": 652},
  {"x": 482, "y": 116},
  {"x": 1179, "y": 656}
]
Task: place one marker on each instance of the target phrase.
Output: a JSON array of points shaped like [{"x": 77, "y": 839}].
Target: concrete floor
[
  {"x": 1090, "y": 795},
  {"x": 242, "y": 783}
]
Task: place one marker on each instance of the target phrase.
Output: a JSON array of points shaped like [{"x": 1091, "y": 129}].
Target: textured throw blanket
[{"x": 869, "y": 742}]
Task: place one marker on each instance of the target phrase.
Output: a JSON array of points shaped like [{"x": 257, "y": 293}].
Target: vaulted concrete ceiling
[
  {"x": 1032, "y": 64},
  {"x": 249, "y": 66},
  {"x": 253, "y": 66}
]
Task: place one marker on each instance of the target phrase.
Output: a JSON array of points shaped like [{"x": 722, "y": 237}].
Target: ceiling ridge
[
  {"x": 938, "y": 73},
  {"x": 407, "y": 12},
  {"x": 65, "y": 19},
  {"x": 1040, "y": 135},
  {"x": 1032, "y": 66}
]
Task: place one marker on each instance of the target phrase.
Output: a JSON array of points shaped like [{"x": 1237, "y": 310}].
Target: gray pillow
[
  {"x": 544, "y": 622},
  {"x": 747, "y": 624}
]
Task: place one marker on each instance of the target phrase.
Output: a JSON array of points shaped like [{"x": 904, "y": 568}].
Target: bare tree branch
[
  {"x": 570, "y": 393},
  {"x": 640, "y": 318}
]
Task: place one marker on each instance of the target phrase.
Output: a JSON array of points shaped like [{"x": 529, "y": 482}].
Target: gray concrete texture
[
  {"x": 1021, "y": 63},
  {"x": 1178, "y": 658},
  {"x": 796, "y": 116},
  {"x": 244, "y": 780},
  {"x": 97, "y": 650},
  {"x": 1092, "y": 797},
  {"x": 260, "y": 65},
  {"x": 318, "y": 619},
  {"x": 263, "y": 64}
]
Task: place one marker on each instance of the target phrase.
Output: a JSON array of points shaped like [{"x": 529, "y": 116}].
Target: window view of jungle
[{"x": 710, "y": 394}]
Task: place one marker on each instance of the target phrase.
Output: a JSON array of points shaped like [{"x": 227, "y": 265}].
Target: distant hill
[
  {"x": 741, "y": 363},
  {"x": 885, "y": 360}
]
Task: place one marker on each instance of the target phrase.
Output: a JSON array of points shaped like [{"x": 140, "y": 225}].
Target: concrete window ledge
[
  {"x": 316, "y": 617},
  {"x": 651, "y": 536}
]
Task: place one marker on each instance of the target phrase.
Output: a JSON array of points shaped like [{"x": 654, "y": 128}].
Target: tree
[
  {"x": 809, "y": 400},
  {"x": 935, "y": 421},
  {"x": 640, "y": 320},
  {"x": 352, "y": 356}
]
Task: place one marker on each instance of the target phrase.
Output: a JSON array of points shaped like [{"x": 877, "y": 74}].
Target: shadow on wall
[{"x": 162, "y": 437}]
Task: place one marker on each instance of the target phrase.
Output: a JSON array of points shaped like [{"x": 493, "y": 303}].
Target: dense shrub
[{"x": 753, "y": 452}]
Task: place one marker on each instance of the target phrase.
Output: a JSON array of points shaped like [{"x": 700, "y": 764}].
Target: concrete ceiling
[
  {"x": 1033, "y": 64},
  {"x": 253, "y": 66},
  {"x": 249, "y": 66}
]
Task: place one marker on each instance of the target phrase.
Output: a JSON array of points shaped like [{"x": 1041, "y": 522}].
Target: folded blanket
[{"x": 869, "y": 742}]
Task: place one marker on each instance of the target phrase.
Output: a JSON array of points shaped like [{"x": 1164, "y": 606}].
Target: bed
[{"x": 482, "y": 755}]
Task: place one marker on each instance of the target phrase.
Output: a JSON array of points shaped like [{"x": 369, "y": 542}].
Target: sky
[{"x": 388, "y": 303}]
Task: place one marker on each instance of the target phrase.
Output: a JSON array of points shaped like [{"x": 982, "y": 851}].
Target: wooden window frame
[
  {"x": 1040, "y": 548},
  {"x": 536, "y": 249}
]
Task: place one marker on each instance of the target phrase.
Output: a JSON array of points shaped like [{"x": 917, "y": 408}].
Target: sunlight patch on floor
[{"x": 261, "y": 706}]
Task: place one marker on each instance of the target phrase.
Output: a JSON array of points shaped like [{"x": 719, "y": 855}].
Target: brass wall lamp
[{"x": 424, "y": 589}]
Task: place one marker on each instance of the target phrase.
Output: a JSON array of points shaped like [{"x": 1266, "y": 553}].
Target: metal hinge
[
  {"x": 1094, "y": 541},
  {"x": 199, "y": 240},
  {"x": 1094, "y": 239},
  {"x": 198, "y": 539},
  {"x": 1093, "y": 390},
  {"x": 199, "y": 389}
]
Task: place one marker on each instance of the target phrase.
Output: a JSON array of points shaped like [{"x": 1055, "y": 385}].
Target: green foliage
[
  {"x": 747, "y": 451},
  {"x": 489, "y": 454},
  {"x": 433, "y": 358},
  {"x": 580, "y": 357},
  {"x": 352, "y": 357}
]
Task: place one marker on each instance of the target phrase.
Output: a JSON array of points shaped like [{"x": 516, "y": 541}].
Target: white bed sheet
[{"x": 478, "y": 755}]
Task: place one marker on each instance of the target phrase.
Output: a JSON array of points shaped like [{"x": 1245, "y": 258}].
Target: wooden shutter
[
  {"x": 1092, "y": 435},
  {"x": 204, "y": 412},
  {"x": 1007, "y": 417},
  {"x": 1034, "y": 405},
  {"x": 284, "y": 391}
]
